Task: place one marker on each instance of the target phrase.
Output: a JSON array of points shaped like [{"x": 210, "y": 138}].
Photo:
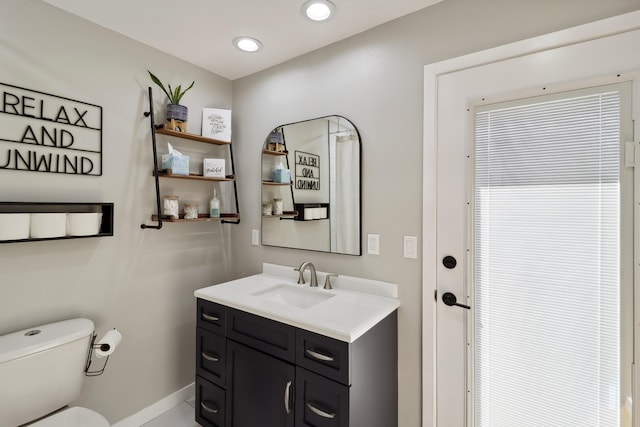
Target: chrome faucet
[{"x": 314, "y": 277}]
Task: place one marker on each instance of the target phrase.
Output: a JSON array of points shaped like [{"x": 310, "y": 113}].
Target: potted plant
[{"x": 175, "y": 111}]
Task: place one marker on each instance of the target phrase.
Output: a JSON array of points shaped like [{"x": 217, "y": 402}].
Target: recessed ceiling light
[
  {"x": 318, "y": 10},
  {"x": 247, "y": 44}
]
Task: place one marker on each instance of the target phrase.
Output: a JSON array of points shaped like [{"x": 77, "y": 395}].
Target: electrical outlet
[
  {"x": 373, "y": 244},
  {"x": 255, "y": 237}
]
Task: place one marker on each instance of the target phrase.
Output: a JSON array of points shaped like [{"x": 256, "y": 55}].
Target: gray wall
[
  {"x": 375, "y": 79},
  {"x": 142, "y": 282}
]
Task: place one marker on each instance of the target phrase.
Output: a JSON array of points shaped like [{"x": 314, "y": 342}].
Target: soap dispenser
[{"x": 214, "y": 206}]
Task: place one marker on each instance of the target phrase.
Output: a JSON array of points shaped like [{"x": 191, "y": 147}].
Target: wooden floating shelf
[
  {"x": 275, "y": 183},
  {"x": 285, "y": 214},
  {"x": 274, "y": 153},
  {"x": 166, "y": 173},
  {"x": 201, "y": 218},
  {"x": 191, "y": 136}
]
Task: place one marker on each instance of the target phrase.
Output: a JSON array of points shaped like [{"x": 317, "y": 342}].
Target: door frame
[{"x": 432, "y": 74}]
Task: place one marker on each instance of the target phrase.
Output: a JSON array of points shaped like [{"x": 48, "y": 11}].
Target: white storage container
[
  {"x": 84, "y": 224},
  {"x": 14, "y": 226},
  {"x": 47, "y": 225}
]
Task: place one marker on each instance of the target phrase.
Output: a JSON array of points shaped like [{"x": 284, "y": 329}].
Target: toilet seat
[{"x": 75, "y": 416}]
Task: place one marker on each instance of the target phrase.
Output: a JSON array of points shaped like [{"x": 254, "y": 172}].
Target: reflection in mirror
[{"x": 311, "y": 186}]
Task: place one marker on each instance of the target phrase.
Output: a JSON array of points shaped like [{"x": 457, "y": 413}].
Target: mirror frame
[{"x": 266, "y": 152}]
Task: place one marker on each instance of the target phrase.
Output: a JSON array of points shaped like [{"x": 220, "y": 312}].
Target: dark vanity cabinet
[
  {"x": 261, "y": 388},
  {"x": 256, "y": 372}
]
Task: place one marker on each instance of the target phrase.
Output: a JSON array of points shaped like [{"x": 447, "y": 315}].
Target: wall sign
[
  {"x": 40, "y": 132},
  {"x": 307, "y": 171}
]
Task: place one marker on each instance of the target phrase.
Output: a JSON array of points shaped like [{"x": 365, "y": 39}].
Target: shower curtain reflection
[{"x": 347, "y": 182}]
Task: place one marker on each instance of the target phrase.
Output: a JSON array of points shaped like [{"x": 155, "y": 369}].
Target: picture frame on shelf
[
  {"x": 213, "y": 168},
  {"x": 216, "y": 124}
]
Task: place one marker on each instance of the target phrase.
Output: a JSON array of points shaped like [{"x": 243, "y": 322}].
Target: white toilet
[{"x": 42, "y": 371}]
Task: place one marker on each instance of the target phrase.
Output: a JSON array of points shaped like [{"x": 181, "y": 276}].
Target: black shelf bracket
[
  {"x": 150, "y": 115},
  {"x": 235, "y": 189}
]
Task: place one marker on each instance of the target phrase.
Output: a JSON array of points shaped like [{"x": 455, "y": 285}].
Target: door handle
[
  {"x": 450, "y": 299},
  {"x": 210, "y": 357},
  {"x": 287, "y": 398},
  {"x": 319, "y": 356},
  {"x": 320, "y": 412},
  {"x": 209, "y": 317},
  {"x": 208, "y": 408}
]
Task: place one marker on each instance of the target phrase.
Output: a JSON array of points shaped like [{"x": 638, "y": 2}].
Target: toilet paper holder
[{"x": 102, "y": 350}]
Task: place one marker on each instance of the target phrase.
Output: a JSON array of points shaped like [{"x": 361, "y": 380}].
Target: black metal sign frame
[
  {"x": 41, "y": 132},
  {"x": 307, "y": 171}
]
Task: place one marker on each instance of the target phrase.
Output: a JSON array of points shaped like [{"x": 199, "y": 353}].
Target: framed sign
[
  {"x": 40, "y": 132},
  {"x": 307, "y": 171}
]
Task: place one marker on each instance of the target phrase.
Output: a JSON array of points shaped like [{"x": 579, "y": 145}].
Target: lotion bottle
[{"x": 214, "y": 206}]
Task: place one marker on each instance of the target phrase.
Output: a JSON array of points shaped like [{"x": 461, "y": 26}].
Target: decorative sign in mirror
[{"x": 311, "y": 186}]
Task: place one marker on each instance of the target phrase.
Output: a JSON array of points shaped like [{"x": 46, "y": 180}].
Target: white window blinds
[{"x": 546, "y": 266}]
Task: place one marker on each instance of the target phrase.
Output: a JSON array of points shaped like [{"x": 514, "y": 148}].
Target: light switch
[
  {"x": 410, "y": 247},
  {"x": 255, "y": 237},
  {"x": 373, "y": 244}
]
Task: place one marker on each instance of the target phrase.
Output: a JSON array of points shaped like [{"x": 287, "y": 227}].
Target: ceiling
[{"x": 201, "y": 31}]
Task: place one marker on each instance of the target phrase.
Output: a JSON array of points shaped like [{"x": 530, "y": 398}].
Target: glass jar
[
  {"x": 190, "y": 211},
  {"x": 170, "y": 207},
  {"x": 267, "y": 209},
  {"x": 277, "y": 206}
]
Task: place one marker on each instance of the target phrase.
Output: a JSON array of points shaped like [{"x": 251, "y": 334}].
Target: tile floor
[{"x": 180, "y": 416}]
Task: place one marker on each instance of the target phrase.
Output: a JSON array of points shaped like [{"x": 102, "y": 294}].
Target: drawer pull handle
[
  {"x": 287, "y": 390},
  {"x": 208, "y": 409},
  {"x": 320, "y": 411},
  {"x": 209, "y": 317},
  {"x": 316, "y": 355},
  {"x": 210, "y": 357}
]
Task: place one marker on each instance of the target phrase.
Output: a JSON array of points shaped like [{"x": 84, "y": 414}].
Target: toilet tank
[{"x": 42, "y": 369}]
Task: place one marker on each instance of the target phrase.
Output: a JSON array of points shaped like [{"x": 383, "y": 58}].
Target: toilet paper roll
[{"x": 108, "y": 343}]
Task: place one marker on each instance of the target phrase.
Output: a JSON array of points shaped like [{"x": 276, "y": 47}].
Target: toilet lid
[{"x": 75, "y": 416}]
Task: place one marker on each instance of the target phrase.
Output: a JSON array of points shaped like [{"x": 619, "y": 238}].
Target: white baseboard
[{"x": 152, "y": 411}]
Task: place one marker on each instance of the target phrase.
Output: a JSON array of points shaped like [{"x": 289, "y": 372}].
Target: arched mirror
[{"x": 311, "y": 186}]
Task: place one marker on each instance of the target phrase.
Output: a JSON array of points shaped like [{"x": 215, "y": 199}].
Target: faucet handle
[
  {"x": 327, "y": 280},
  {"x": 300, "y": 276}
]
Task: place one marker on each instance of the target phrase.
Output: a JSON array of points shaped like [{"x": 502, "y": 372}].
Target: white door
[{"x": 495, "y": 363}]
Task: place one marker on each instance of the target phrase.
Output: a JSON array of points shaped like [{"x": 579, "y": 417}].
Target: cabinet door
[
  {"x": 212, "y": 316},
  {"x": 210, "y": 356},
  {"x": 320, "y": 402},
  {"x": 323, "y": 355},
  {"x": 260, "y": 388},
  {"x": 274, "y": 338},
  {"x": 210, "y": 404}
]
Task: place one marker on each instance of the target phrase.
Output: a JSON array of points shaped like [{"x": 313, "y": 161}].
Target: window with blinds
[{"x": 546, "y": 282}]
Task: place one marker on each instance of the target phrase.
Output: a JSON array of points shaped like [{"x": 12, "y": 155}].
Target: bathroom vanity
[{"x": 271, "y": 352}]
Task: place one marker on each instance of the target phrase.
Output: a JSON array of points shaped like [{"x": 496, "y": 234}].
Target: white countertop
[{"x": 355, "y": 307}]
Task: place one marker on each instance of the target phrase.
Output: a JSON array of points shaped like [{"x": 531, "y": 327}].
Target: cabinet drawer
[
  {"x": 272, "y": 337},
  {"x": 320, "y": 402},
  {"x": 212, "y": 316},
  {"x": 210, "y": 404},
  {"x": 211, "y": 354},
  {"x": 326, "y": 356}
]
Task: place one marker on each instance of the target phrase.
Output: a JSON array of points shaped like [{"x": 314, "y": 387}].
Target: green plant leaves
[{"x": 174, "y": 95}]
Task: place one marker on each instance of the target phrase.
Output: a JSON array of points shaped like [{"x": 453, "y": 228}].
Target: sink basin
[{"x": 294, "y": 296}]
